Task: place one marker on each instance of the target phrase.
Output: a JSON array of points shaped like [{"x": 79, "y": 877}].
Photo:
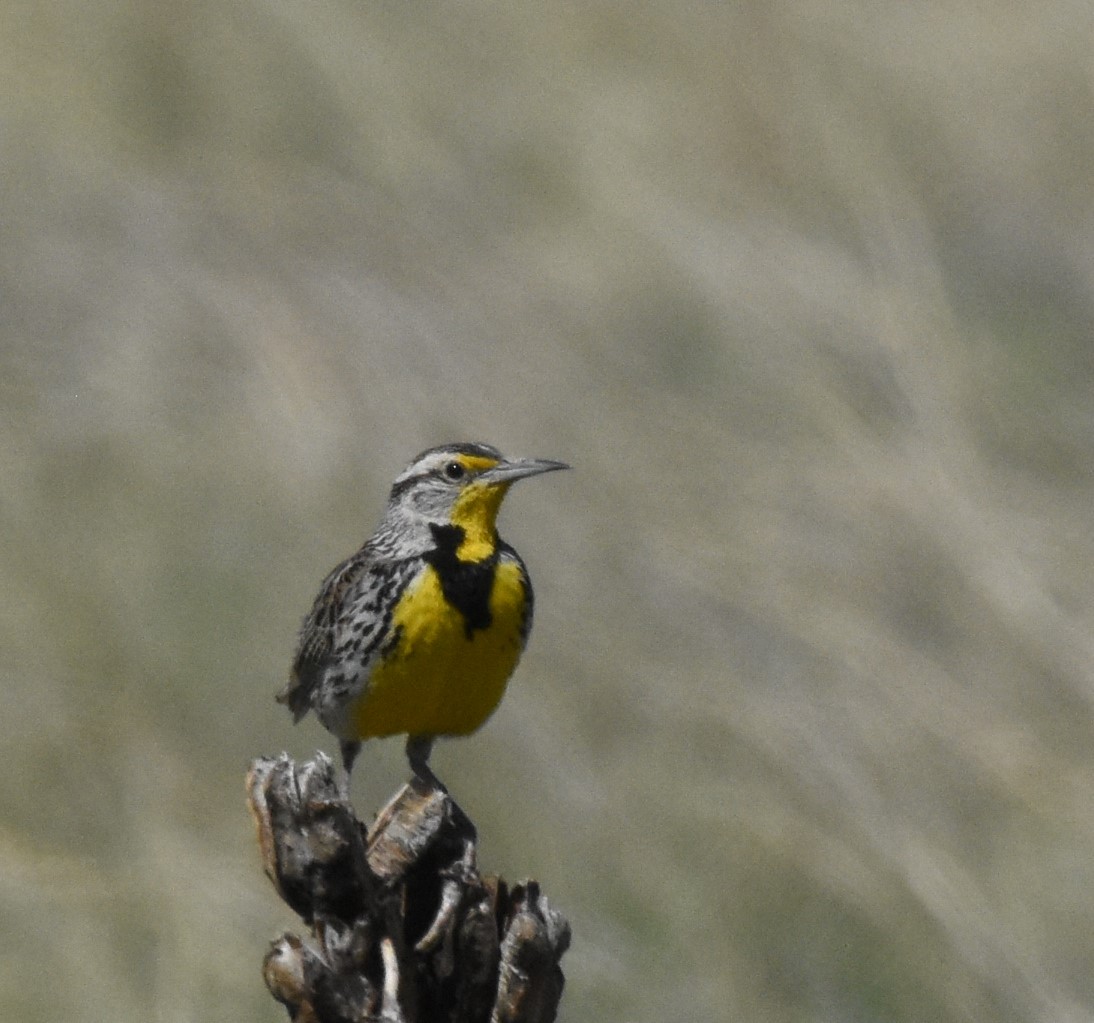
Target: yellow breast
[{"x": 436, "y": 679}]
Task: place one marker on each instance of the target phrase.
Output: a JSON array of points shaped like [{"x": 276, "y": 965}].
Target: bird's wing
[{"x": 318, "y": 632}]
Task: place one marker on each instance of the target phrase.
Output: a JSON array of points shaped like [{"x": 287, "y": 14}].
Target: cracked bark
[{"x": 402, "y": 927}]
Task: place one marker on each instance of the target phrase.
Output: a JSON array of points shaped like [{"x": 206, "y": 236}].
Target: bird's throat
[{"x": 476, "y": 513}]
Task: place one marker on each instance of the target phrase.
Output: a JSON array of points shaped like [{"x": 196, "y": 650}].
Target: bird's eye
[{"x": 454, "y": 471}]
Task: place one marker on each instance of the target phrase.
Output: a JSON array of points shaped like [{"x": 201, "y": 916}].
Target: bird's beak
[{"x": 517, "y": 468}]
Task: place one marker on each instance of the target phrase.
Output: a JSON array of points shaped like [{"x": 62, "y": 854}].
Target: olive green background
[{"x": 805, "y": 293}]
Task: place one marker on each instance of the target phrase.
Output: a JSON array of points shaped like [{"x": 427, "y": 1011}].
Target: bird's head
[{"x": 462, "y": 485}]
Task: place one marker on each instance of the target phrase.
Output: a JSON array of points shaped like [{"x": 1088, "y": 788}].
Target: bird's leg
[
  {"x": 350, "y": 749},
  {"x": 418, "y": 748}
]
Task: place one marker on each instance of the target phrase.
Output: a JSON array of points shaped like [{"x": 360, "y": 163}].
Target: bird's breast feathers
[{"x": 450, "y": 648}]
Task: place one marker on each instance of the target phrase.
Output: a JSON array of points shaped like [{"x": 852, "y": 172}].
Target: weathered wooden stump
[{"x": 403, "y": 927}]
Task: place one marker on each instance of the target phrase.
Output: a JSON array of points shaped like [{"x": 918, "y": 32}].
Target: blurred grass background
[{"x": 804, "y": 291}]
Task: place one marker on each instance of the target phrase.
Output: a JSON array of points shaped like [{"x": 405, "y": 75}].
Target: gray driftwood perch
[{"x": 403, "y": 927}]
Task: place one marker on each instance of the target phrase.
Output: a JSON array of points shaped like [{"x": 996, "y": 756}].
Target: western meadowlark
[{"x": 418, "y": 632}]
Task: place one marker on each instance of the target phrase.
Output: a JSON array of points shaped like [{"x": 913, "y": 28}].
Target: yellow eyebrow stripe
[{"x": 476, "y": 463}]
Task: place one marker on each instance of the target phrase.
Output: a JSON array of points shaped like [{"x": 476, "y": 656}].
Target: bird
[{"x": 419, "y": 632}]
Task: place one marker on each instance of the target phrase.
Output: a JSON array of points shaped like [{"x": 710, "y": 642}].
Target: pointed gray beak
[{"x": 517, "y": 468}]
